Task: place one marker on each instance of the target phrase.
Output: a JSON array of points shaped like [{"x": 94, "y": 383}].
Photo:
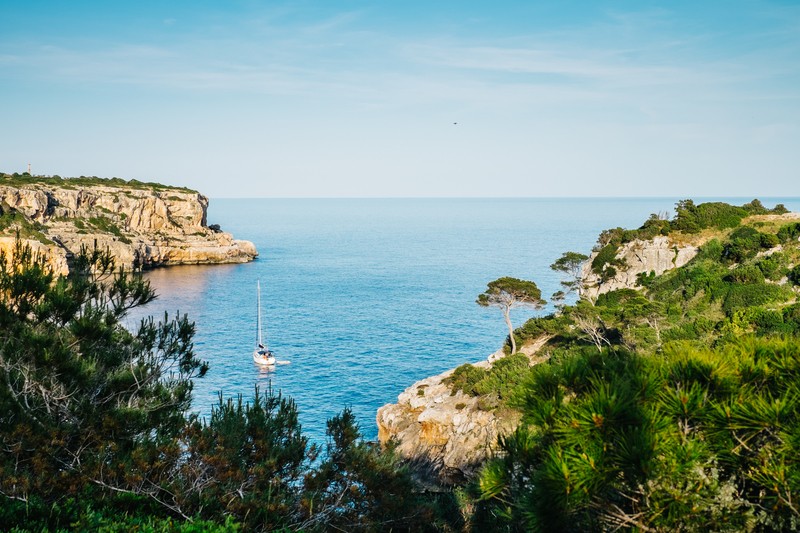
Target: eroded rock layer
[{"x": 141, "y": 226}]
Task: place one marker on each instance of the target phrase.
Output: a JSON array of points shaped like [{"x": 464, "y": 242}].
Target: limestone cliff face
[
  {"x": 452, "y": 432},
  {"x": 144, "y": 226},
  {"x": 638, "y": 257}
]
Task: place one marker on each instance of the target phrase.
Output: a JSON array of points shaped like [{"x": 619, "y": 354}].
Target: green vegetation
[
  {"x": 697, "y": 439},
  {"x": 507, "y": 293},
  {"x": 499, "y": 380},
  {"x": 13, "y": 222},
  {"x": 20, "y": 180},
  {"x": 107, "y": 225}
]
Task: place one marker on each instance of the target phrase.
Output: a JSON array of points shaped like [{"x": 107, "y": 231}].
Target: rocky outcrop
[
  {"x": 451, "y": 433},
  {"x": 141, "y": 226},
  {"x": 634, "y": 258},
  {"x": 454, "y": 433}
]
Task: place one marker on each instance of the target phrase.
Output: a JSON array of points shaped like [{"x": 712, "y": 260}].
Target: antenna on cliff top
[{"x": 29, "y": 168}]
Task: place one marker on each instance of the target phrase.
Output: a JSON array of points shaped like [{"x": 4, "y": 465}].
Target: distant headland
[{"x": 142, "y": 224}]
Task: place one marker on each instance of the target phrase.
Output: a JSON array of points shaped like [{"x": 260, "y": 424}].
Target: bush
[
  {"x": 745, "y": 243},
  {"x": 607, "y": 256},
  {"x": 614, "y": 299},
  {"x": 773, "y": 266},
  {"x": 653, "y": 441},
  {"x": 794, "y": 275},
  {"x": 504, "y": 376},
  {"x": 746, "y": 274},
  {"x": 692, "y": 218},
  {"x": 743, "y": 296},
  {"x": 789, "y": 232},
  {"x": 464, "y": 379},
  {"x": 538, "y": 327},
  {"x": 769, "y": 321}
]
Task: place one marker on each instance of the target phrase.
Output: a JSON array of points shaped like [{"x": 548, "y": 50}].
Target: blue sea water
[{"x": 367, "y": 296}]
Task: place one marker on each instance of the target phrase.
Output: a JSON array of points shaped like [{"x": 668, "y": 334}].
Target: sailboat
[{"x": 262, "y": 355}]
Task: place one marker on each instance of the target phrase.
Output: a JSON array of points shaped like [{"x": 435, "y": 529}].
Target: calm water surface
[{"x": 366, "y": 296}]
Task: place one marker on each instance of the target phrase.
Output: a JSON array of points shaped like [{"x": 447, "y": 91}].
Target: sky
[{"x": 250, "y": 99}]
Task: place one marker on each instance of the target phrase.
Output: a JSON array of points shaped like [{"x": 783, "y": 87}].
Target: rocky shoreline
[{"x": 141, "y": 226}]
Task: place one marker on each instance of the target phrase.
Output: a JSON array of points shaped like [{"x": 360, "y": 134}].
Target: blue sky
[{"x": 411, "y": 98}]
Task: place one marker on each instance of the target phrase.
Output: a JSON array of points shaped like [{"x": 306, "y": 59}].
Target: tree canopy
[
  {"x": 571, "y": 265},
  {"x": 508, "y": 293}
]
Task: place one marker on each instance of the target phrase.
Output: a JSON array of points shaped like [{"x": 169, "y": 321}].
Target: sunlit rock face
[
  {"x": 453, "y": 433},
  {"x": 140, "y": 226},
  {"x": 637, "y": 257}
]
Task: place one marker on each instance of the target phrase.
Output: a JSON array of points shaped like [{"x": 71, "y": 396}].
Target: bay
[{"x": 367, "y": 296}]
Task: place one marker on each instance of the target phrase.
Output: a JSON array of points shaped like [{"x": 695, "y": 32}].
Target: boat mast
[{"x": 258, "y": 285}]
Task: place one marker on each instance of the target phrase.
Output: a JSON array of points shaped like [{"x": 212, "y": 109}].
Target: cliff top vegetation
[{"x": 24, "y": 179}]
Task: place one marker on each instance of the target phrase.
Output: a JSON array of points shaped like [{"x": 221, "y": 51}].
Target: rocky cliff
[
  {"x": 657, "y": 255},
  {"x": 143, "y": 225},
  {"x": 454, "y": 433}
]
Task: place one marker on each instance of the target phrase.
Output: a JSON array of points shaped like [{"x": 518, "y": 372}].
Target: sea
[{"x": 364, "y": 297}]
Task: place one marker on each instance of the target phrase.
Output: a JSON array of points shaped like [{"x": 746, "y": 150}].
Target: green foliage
[
  {"x": 789, "y": 232},
  {"x": 546, "y": 326},
  {"x": 691, "y": 218},
  {"x": 18, "y": 180},
  {"x": 745, "y": 242},
  {"x": 503, "y": 377},
  {"x": 774, "y": 266},
  {"x": 570, "y": 264},
  {"x": 746, "y": 274},
  {"x": 507, "y": 293},
  {"x": 464, "y": 378},
  {"x": 751, "y": 295},
  {"x": 12, "y": 221},
  {"x": 247, "y": 460},
  {"x": 794, "y": 275},
  {"x": 606, "y": 257},
  {"x": 358, "y": 487},
  {"x": 107, "y": 225},
  {"x": 498, "y": 381},
  {"x": 697, "y": 439},
  {"x": 511, "y": 292},
  {"x": 87, "y": 404}
]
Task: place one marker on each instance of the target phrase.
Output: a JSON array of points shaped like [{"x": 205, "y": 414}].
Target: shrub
[
  {"x": 538, "y": 327},
  {"x": 743, "y": 296},
  {"x": 712, "y": 250},
  {"x": 464, "y": 379},
  {"x": 746, "y": 242},
  {"x": 691, "y": 441},
  {"x": 774, "y": 266},
  {"x": 794, "y": 275},
  {"x": 691, "y": 218},
  {"x": 789, "y": 232},
  {"x": 746, "y": 274},
  {"x": 605, "y": 257},
  {"x": 504, "y": 376},
  {"x": 769, "y": 321}
]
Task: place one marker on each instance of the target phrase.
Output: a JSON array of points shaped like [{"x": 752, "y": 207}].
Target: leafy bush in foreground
[{"x": 698, "y": 439}]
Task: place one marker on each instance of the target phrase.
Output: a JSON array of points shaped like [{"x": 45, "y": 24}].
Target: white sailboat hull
[{"x": 265, "y": 359}]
